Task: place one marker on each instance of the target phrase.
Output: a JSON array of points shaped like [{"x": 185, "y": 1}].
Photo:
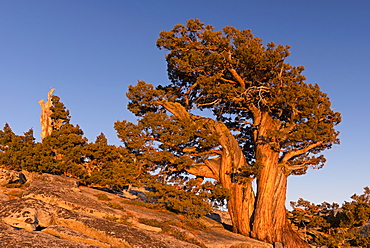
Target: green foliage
[
  {"x": 65, "y": 149},
  {"x": 111, "y": 218},
  {"x": 17, "y": 152},
  {"x": 338, "y": 227},
  {"x": 60, "y": 115},
  {"x": 67, "y": 152},
  {"x": 149, "y": 205},
  {"x": 181, "y": 195},
  {"x": 125, "y": 220},
  {"x": 180, "y": 201},
  {"x": 232, "y": 74},
  {"x": 227, "y": 77},
  {"x": 103, "y": 197},
  {"x": 109, "y": 165},
  {"x": 151, "y": 222},
  {"x": 115, "y": 205},
  {"x": 357, "y": 212}
]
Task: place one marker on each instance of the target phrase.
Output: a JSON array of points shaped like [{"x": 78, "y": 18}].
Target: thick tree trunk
[
  {"x": 240, "y": 207},
  {"x": 241, "y": 202},
  {"x": 224, "y": 169},
  {"x": 270, "y": 217},
  {"x": 270, "y": 222}
]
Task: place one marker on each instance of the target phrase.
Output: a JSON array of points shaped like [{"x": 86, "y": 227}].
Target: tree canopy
[{"x": 235, "y": 111}]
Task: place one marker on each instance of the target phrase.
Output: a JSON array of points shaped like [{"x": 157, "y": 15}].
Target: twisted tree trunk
[
  {"x": 270, "y": 217},
  {"x": 270, "y": 222},
  {"x": 224, "y": 169}
]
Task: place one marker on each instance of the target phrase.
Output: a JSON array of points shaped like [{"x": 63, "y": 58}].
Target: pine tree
[
  {"x": 17, "y": 152},
  {"x": 109, "y": 165},
  {"x": 334, "y": 226},
  {"x": 64, "y": 147},
  {"x": 260, "y": 121}
]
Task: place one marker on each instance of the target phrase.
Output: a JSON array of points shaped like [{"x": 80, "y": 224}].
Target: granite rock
[
  {"x": 13, "y": 238},
  {"x": 56, "y": 211}
]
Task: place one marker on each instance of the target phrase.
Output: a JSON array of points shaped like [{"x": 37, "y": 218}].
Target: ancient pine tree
[{"x": 235, "y": 111}]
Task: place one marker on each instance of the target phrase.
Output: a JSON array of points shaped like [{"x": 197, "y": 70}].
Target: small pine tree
[
  {"x": 64, "y": 147},
  {"x": 17, "y": 152},
  {"x": 333, "y": 226},
  {"x": 109, "y": 165}
]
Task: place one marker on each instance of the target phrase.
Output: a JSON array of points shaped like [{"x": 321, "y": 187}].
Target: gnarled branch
[
  {"x": 210, "y": 169},
  {"x": 237, "y": 77},
  {"x": 294, "y": 153}
]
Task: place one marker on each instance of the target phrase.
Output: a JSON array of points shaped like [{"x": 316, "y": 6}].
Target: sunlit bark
[
  {"x": 224, "y": 169},
  {"x": 45, "y": 120},
  {"x": 270, "y": 221}
]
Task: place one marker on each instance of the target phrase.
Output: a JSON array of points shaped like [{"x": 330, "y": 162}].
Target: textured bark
[
  {"x": 270, "y": 222},
  {"x": 45, "y": 120},
  {"x": 241, "y": 201},
  {"x": 224, "y": 169},
  {"x": 240, "y": 207}
]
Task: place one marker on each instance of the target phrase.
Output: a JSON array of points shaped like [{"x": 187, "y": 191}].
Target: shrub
[{"x": 103, "y": 197}]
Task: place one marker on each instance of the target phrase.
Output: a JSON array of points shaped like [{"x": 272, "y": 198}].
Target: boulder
[
  {"x": 27, "y": 214},
  {"x": 9, "y": 176}
]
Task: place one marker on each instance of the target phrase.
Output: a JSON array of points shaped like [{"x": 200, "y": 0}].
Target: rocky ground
[{"x": 53, "y": 211}]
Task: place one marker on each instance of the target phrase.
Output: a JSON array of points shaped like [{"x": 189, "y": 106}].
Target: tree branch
[
  {"x": 294, "y": 153},
  {"x": 176, "y": 109},
  {"x": 237, "y": 77},
  {"x": 249, "y": 123},
  {"x": 188, "y": 92},
  {"x": 296, "y": 167},
  {"x": 228, "y": 80},
  {"x": 209, "y": 169},
  {"x": 209, "y": 103}
]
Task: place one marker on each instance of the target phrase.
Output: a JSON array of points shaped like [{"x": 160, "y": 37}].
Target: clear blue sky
[{"x": 90, "y": 51}]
